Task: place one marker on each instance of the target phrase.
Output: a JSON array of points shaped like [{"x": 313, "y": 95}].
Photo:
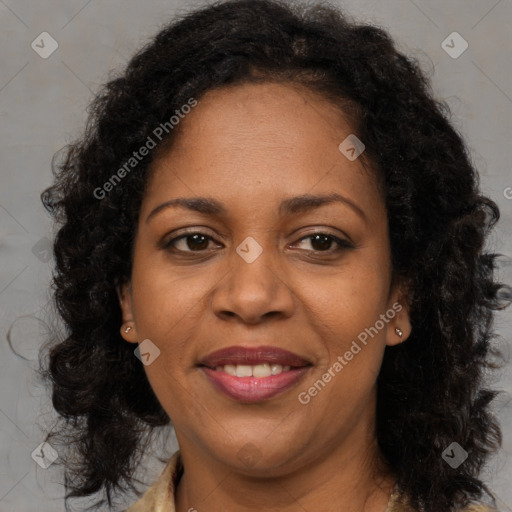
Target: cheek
[
  {"x": 164, "y": 298},
  {"x": 345, "y": 382},
  {"x": 346, "y": 312},
  {"x": 166, "y": 311},
  {"x": 348, "y": 301}
]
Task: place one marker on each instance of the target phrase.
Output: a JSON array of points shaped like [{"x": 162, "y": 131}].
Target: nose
[{"x": 253, "y": 292}]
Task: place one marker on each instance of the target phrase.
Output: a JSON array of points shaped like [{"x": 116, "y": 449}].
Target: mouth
[
  {"x": 254, "y": 374},
  {"x": 258, "y": 371},
  {"x": 253, "y": 357}
]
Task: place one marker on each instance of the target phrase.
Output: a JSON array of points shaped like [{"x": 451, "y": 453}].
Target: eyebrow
[{"x": 289, "y": 206}]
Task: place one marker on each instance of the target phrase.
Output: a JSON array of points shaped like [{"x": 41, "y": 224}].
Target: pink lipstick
[{"x": 252, "y": 374}]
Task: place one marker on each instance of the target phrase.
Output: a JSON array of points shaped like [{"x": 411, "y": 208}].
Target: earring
[
  {"x": 399, "y": 332},
  {"x": 128, "y": 329}
]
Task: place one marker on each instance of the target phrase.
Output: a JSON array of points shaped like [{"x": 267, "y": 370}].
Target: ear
[
  {"x": 399, "y": 304},
  {"x": 124, "y": 293}
]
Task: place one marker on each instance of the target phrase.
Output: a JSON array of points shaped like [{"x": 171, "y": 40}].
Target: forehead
[
  {"x": 263, "y": 141},
  {"x": 265, "y": 112}
]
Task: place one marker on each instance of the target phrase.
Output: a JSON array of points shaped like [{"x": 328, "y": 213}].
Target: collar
[{"x": 160, "y": 496}]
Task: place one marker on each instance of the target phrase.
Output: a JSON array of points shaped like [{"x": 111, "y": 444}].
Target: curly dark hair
[{"x": 431, "y": 389}]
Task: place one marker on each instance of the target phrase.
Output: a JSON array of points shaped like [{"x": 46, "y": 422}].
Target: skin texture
[{"x": 250, "y": 147}]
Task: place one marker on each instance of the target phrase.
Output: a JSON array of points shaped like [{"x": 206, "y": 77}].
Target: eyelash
[{"x": 342, "y": 244}]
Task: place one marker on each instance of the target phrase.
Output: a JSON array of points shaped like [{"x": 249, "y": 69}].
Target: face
[{"x": 250, "y": 269}]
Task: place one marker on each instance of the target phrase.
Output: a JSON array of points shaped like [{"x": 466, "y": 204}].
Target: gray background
[{"x": 42, "y": 107}]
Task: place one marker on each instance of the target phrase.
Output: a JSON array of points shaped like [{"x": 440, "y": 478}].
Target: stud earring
[
  {"x": 399, "y": 332},
  {"x": 128, "y": 329}
]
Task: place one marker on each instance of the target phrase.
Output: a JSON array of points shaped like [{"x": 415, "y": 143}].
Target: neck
[{"x": 344, "y": 477}]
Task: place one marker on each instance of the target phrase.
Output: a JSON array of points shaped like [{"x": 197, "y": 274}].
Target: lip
[
  {"x": 253, "y": 389},
  {"x": 252, "y": 356}
]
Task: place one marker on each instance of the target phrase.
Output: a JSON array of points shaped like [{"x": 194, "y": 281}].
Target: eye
[
  {"x": 322, "y": 242},
  {"x": 199, "y": 242},
  {"x": 189, "y": 242}
]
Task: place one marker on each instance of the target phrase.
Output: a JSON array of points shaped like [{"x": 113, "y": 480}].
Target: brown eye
[
  {"x": 323, "y": 242},
  {"x": 191, "y": 242}
]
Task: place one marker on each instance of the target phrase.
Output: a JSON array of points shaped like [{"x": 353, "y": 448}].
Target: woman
[{"x": 272, "y": 236}]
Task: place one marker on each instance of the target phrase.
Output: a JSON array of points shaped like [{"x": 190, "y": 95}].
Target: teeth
[
  {"x": 276, "y": 369},
  {"x": 229, "y": 368},
  {"x": 261, "y": 370},
  {"x": 258, "y": 370},
  {"x": 243, "y": 370}
]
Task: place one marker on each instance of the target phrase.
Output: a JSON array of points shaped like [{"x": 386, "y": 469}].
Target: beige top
[{"x": 160, "y": 496}]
